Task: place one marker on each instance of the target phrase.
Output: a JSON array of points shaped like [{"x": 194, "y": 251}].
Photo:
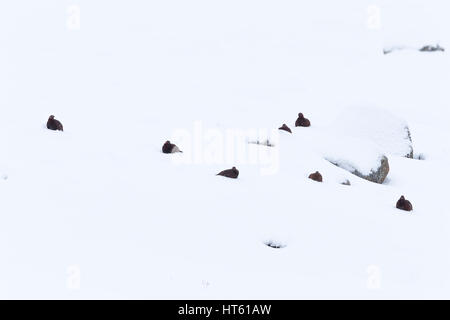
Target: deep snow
[{"x": 99, "y": 212}]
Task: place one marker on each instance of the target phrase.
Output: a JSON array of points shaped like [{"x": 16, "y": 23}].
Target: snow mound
[{"x": 387, "y": 131}]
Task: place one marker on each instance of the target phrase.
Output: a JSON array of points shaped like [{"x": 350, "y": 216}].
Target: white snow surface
[
  {"x": 97, "y": 211},
  {"x": 379, "y": 126}
]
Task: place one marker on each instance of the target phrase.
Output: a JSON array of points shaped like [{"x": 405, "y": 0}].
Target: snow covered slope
[{"x": 97, "y": 211}]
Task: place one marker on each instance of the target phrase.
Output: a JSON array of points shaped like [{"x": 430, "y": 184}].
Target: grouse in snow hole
[
  {"x": 302, "y": 121},
  {"x": 284, "y": 127},
  {"x": 232, "y": 173},
  {"x": 404, "y": 204},
  {"x": 170, "y": 148},
  {"x": 53, "y": 124},
  {"x": 316, "y": 176},
  {"x": 274, "y": 245}
]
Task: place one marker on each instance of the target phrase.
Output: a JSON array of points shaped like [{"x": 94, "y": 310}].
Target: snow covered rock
[
  {"x": 427, "y": 48},
  {"x": 377, "y": 175},
  {"x": 388, "y": 132},
  {"x": 360, "y": 157},
  {"x": 432, "y": 48}
]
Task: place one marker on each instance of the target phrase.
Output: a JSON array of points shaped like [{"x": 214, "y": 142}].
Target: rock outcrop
[
  {"x": 432, "y": 48},
  {"x": 377, "y": 174}
]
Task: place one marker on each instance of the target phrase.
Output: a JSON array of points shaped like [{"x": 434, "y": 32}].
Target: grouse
[
  {"x": 316, "y": 176},
  {"x": 302, "y": 121},
  {"x": 285, "y": 128},
  {"x": 170, "y": 148},
  {"x": 404, "y": 204},
  {"x": 53, "y": 124},
  {"x": 232, "y": 173}
]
